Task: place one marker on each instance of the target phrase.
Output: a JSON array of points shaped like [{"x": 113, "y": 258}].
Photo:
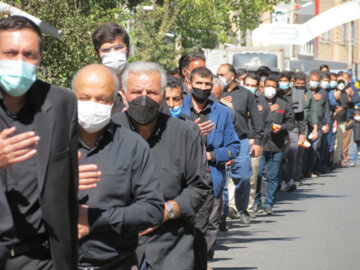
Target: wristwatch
[{"x": 170, "y": 211}]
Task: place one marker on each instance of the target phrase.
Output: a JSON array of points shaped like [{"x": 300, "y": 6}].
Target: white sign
[
  {"x": 299, "y": 34},
  {"x": 47, "y": 28}
]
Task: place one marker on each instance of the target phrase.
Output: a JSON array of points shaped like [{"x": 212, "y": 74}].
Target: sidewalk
[{"x": 316, "y": 227}]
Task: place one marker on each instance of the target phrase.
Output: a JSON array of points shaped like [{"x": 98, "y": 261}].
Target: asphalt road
[{"x": 316, "y": 227}]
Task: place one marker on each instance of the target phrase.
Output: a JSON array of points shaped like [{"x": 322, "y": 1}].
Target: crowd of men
[{"x": 137, "y": 168}]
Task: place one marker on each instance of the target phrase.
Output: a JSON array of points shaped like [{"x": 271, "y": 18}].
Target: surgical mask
[
  {"x": 341, "y": 86},
  {"x": 324, "y": 84},
  {"x": 224, "y": 83},
  {"x": 175, "y": 112},
  {"x": 200, "y": 95},
  {"x": 314, "y": 84},
  {"x": 93, "y": 116},
  {"x": 283, "y": 85},
  {"x": 16, "y": 77},
  {"x": 333, "y": 84},
  {"x": 357, "y": 118},
  {"x": 115, "y": 59},
  {"x": 269, "y": 92},
  {"x": 144, "y": 110},
  {"x": 251, "y": 89},
  {"x": 291, "y": 84}
]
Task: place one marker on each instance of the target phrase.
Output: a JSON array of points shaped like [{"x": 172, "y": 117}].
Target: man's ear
[
  {"x": 98, "y": 56},
  {"x": 113, "y": 109},
  {"x": 183, "y": 71},
  {"x": 232, "y": 76},
  {"x": 124, "y": 98}
]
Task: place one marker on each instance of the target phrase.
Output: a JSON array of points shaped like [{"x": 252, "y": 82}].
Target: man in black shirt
[
  {"x": 177, "y": 152},
  {"x": 126, "y": 199},
  {"x": 38, "y": 157},
  {"x": 283, "y": 121},
  {"x": 251, "y": 82},
  {"x": 245, "y": 107}
]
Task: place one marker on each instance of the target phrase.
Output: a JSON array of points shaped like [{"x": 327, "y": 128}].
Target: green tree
[
  {"x": 197, "y": 24},
  {"x": 77, "y": 19}
]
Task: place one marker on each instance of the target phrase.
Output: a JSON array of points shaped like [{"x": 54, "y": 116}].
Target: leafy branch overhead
[{"x": 159, "y": 34}]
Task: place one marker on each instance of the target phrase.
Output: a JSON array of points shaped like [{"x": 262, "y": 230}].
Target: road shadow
[{"x": 234, "y": 268}]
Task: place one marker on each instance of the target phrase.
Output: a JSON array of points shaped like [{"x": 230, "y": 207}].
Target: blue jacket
[{"x": 222, "y": 140}]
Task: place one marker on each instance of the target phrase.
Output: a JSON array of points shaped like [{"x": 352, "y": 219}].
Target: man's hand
[
  {"x": 349, "y": 91},
  {"x": 176, "y": 208},
  {"x": 338, "y": 110},
  {"x": 88, "y": 176},
  {"x": 205, "y": 127},
  {"x": 326, "y": 129},
  {"x": 302, "y": 139},
  {"x": 227, "y": 99},
  {"x": 208, "y": 156},
  {"x": 17, "y": 148},
  {"x": 256, "y": 150},
  {"x": 274, "y": 107},
  {"x": 228, "y": 163},
  {"x": 335, "y": 126},
  {"x": 260, "y": 108},
  {"x": 337, "y": 94},
  {"x": 317, "y": 97},
  {"x": 83, "y": 221}
]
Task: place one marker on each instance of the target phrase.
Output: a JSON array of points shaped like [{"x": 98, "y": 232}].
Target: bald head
[{"x": 96, "y": 83}]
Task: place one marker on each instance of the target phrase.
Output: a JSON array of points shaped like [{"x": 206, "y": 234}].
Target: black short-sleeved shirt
[
  {"x": 21, "y": 182},
  {"x": 127, "y": 198}
]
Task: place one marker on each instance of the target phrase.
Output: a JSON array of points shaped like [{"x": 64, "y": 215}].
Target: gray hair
[
  {"x": 217, "y": 81},
  {"x": 141, "y": 67},
  {"x": 115, "y": 77}
]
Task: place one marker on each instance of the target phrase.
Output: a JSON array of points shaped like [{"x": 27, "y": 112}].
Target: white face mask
[
  {"x": 115, "y": 60},
  {"x": 357, "y": 118},
  {"x": 314, "y": 84},
  {"x": 341, "y": 86},
  {"x": 269, "y": 92},
  {"x": 324, "y": 84},
  {"x": 93, "y": 116}
]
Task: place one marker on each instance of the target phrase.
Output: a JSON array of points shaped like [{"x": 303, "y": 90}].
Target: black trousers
[{"x": 37, "y": 259}]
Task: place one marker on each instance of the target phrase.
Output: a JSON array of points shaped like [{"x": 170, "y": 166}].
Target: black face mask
[
  {"x": 200, "y": 95},
  {"x": 143, "y": 110},
  {"x": 300, "y": 87}
]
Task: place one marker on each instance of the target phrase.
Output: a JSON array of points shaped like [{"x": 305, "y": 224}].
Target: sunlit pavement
[{"x": 316, "y": 227}]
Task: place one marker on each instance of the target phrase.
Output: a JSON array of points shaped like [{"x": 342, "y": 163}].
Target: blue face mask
[
  {"x": 252, "y": 90},
  {"x": 16, "y": 77},
  {"x": 333, "y": 84},
  {"x": 283, "y": 85},
  {"x": 175, "y": 112},
  {"x": 291, "y": 84}
]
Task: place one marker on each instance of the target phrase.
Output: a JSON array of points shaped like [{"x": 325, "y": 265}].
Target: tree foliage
[
  {"x": 77, "y": 19},
  {"x": 159, "y": 35}
]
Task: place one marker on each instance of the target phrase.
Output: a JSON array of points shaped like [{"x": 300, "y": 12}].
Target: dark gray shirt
[
  {"x": 177, "y": 152},
  {"x": 21, "y": 183},
  {"x": 245, "y": 107},
  {"x": 126, "y": 199},
  {"x": 323, "y": 107}
]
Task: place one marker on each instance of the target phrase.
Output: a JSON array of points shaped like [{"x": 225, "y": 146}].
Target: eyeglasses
[{"x": 115, "y": 48}]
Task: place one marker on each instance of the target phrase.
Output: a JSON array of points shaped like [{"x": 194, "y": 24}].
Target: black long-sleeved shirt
[
  {"x": 126, "y": 199},
  {"x": 177, "y": 152},
  {"x": 21, "y": 183},
  {"x": 284, "y": 116},
  {"x": 266, "y": 119},
  {"x": 245, "y": 106}
]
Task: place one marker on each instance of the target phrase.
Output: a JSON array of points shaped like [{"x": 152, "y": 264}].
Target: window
[
  {"x": 352, "y": 32},
  {"x": 344, "y": 34},
  {"x": 329, "y": 36}
]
